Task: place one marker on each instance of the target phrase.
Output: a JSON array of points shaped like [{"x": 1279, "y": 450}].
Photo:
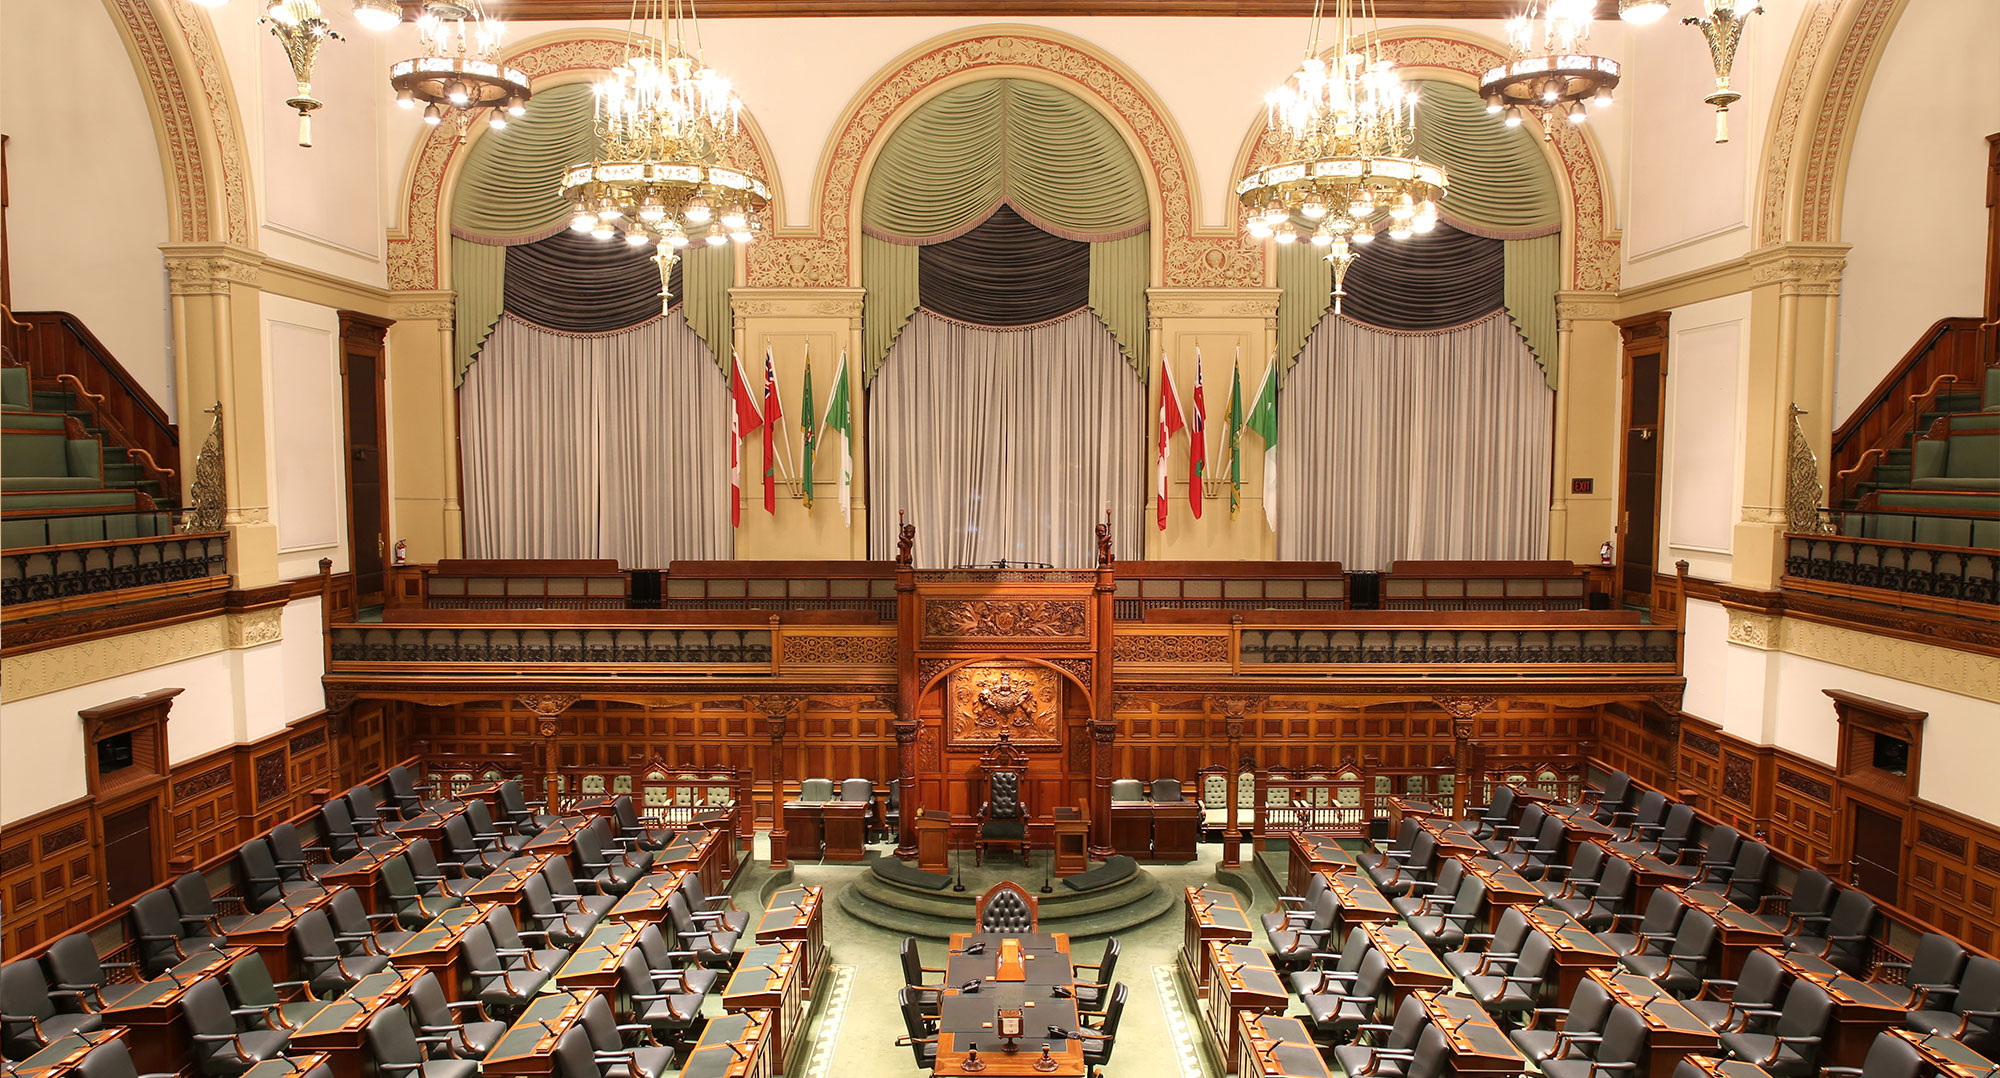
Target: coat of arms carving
[{"x": 1020, "y": 701}]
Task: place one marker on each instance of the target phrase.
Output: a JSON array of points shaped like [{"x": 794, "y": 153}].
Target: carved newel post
[
  {"x": 1102, "y": 736},
  {"x": 1464, "y": 712},
  {"x": 1235, "y": 710},
  {"x": 906, "y": 782},
  {"x": 777, "y": 711},
  {"x": 548, "y": 709}
]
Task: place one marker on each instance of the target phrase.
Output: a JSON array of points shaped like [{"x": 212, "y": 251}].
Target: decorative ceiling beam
[{"x": 620, "y": 10}]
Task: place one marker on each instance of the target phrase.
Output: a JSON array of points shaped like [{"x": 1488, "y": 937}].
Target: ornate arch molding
[
  {"x": 416, "y": 244},
  {"x": 181, "y": 70},
  {"x": 1592, "y": 251},
  {"x": 935, "y": 673},
  {"x": 824, "y": 255},
  {"x": 1832, "y": 60}
]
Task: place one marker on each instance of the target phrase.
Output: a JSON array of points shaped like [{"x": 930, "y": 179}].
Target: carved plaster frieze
[
  {"x": 1211, "y": 303},
  {"x": 425, "y": 306},
  {"x": 1753, "y": 630},
  {"x": 1573, "y": 307},
  {"x": 1832, "y": 137},
  {"x": 254, "y": 627},
  {"x": 1948, "y": 669},
  {"x": 39, "y": 672},
  {"x": 1815, "y": 25},
  {"x": 796, "y": 303},
  {"x": 209, "y": 269},
  {"x": 1800, "y": 269}
]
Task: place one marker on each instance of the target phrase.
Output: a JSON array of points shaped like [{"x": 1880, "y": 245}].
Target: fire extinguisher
[
  {"x": 403, "y": 552},
  {"x": 1603, "y": 553}
]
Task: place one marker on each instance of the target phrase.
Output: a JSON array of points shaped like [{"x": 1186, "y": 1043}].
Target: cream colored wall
[
  {"x": 1688, "y": 198},
  {"x": 1708, "y": 357},
  {"x": 1915, "y": 203},
  {"x": 1591, "y": 414},
  {"x": 88, "y": 200},
  {"x": 309, "y": 479}
]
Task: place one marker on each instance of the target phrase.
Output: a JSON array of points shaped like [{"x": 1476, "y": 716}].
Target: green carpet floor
[{"x": 1149, "y": 1045}]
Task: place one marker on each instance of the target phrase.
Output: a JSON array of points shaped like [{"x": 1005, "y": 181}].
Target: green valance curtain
[
  {"x": 1500, "y": 187},
  {"x": 510, "y": 192},
  {"x": 1043, "y": 152}
]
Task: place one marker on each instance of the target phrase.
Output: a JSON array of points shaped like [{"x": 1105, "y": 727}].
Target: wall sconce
[{"x": 1722, "y": 24}]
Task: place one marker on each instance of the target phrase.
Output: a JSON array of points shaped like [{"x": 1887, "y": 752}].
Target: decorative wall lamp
[{"x": 1722, "y": 24}]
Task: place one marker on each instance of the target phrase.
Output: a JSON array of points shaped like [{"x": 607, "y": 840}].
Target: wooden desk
[
  {"x": 594, "y": 963},
  {"x": 1476, "y": 1042},
  {"x": 837, "y": 827},
  {"x": 502, "y": 886},
  {"x": 1210, "y": 913},
  {"x": 1308, "y": 853},
  {"x": 770, "y": 978},
  {"x": 1130, "y": 827},
  {"x": 1726, "y": 1068},
  {"x": 63, "y": 1055},
  {"x": 1273, "y": 1047},
  {"x": 1861, "y": 1009},
  {"x": 1452, "y": 837},
  {"x": 1951, "y": 1058},
  {"x": 795, "y": 915},
  {"x": 966, "y": 1020},
  {"x": 363, "y": 872},
  {"x": 1412, "y": 964},
  {"x": 933, "y": 842},
  {"x": 1739, "y": 932},
  {"x": 1578, "y": 950},
  {"x": 270, "y": 932},
  {"x": 646, "y": 902},
  {"x": 1504, "y": 887},
  {"x": 340, "y": 1028},
  {"x": 700, "y": 851},
  {"x": 1241, "y": 981},
  {"x": 1648, "y": 875},
  {"x": 1672, "y": 1031},
  {"x": 559, "y": 837},
  {"x": 434, "y": 948},
  {"x": 1176, "y": 830},
  {"x": 488, "y": 792},
  {"x": 529, "y": 1044},
  {"x": 428, "y": 826},
  {"x": 1578, "y": 830},
  {"x": 290, "y": 1066},
  {"x": 1358, "y": 901},
  {"x": 151, "y": 1013},
  {"x": 732, "y": 1046}
]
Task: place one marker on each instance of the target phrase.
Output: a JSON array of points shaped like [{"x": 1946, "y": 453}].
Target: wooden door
[
  {"x": 128, "y": 852},
  {"x": 363, "y": 380},
  {"x": 1638, "y": 540},
  {"x": 1875, "y": 850}
]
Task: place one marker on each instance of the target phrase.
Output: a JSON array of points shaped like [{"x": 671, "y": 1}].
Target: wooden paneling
[
  {"x": 1955, "y": 874},
  {"x": 1639, "y": 741},
  {"x": 49, "y": 875},
  {"x": 202, "y": 808}
]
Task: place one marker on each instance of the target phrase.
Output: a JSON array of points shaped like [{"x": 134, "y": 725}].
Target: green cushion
[
  {"x": 50, "y": 482},
  {"x": 1957, "y": 482},
  {"x": 1944, "y": 531},
  {"x": 36, "y": 420},
  {"x": 34, "y": 453},
  {"x": 33, "y": 531},
  {"x": 1973, "y": 456},
  {"x": 14, "y": 389},
  {"x": 1990, "y": 397},
  {"x": 1974, "y": 501},
  {"x": 124, "y": 525},
  {"x": 1963, "y": 421},
  {"x": 86, "y": 457},
  {"x": 85, "y": 529},
  {"x": 1116, "y": 869},
  {"x": 69, "y": 499}
]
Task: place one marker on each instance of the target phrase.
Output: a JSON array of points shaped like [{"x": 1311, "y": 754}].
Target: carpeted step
[
  {"x": 1060, "y": 902},
  {"x": 1079, "y": 924}
]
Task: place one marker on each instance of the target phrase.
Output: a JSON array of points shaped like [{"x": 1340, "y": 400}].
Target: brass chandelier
[
  {"x": 1346, "y": 163},
  {"x": 459, "y": 72},
  {"x": 1555, "y": 76},
  {"x": 301, "y": 27},
  {"x": 661, "y": 175}
]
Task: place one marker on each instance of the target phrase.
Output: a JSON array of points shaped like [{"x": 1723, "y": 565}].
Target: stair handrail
[
  {"x": 1890, "y": 410},
  {"x": 164, "y": 433}
]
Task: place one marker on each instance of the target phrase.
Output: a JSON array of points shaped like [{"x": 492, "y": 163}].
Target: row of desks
[{"x": 1026, "y": 978}]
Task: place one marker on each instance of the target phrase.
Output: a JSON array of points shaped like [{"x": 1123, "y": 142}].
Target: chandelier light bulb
[
  {"x": 734, "y": 218},
  {"x": 1404, "y": 209},
  {"x": 497, "y": 121},
  {"x": 456, "y": 93},
  {"x": 652, "y": 210},
  {"x": 378, "y": 15},
  {"x": 1493, "y": 105},
  {"x": 405, "y": 99},
  {"x": 1364, "y": 233},
  {"x": 432, "y": 116},
  {"x": 716, "y": 239},
  {"x": 608, "y": 209},
  {"x": 697, "y": 210},
  {"x": 1603, "y": 98},
  {"x": 1576, "y": 114},
  {"x": 517, "y": 106},
  {"x": 1321, "y": 236},
  {"x": 676, "y": 238},
  {"x": 1313, "y": 209},
  {"x": 741, "y": 235},
  {"x": 1400, "y": 232},
  {"x": 1513, "y": 117},
  {"x": 603, "y": 230},
  {"x": 1423, "y": 224},
  {"x": 1259, "y": 230},
  {"x": 583, "y": 222},
  {"x": 1287, "y": 234},
  {"x": 636, "y": 238}
]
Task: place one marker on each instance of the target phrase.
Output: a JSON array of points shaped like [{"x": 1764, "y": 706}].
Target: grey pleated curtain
[
  {"x": 1500, "y": 187},
  {"x": 1037, "y": 149},
  {"x": 510, "y": 193},
  {"x": 1400, "y": 445},
  {"x": 596, "y": 446},
  {"x": 1004, "y": 443}
]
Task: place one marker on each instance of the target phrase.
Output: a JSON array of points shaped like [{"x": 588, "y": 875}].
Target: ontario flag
[
  {"x": 1197, "y": 442},
  {"x": 1170, "y": 425},
  {"x": 743, "y": 418},
  {"x": 774, "y": 419}
]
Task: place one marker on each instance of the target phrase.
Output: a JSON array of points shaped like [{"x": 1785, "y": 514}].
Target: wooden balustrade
[
  {"x": 1950, "y": 356},
  {"x": 60, "y": 352}
]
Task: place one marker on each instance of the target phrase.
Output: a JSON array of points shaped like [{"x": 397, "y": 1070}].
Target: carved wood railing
[
  {"x": 1964, "y": 581},
  {"x": 1950, "y": 356},
  {"x": 70, "y": 576},
  {"x": 59, "y": 350}
]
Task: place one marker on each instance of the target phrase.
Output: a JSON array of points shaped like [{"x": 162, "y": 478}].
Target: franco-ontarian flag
[
  {"x": 840, "y": 420},
  {"x": 1263, "y": 421}
]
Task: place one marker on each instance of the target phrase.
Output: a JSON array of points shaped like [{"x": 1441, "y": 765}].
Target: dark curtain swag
[
  {"x": 1436, "y": 280},
  {"x": 1005, "y": 272},
  {"x": 575, "y": 283}
]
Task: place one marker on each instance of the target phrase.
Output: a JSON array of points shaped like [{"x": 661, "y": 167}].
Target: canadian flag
[
  {"x": 743, "y": 418},
  {"x": 1170, "y": 425}
]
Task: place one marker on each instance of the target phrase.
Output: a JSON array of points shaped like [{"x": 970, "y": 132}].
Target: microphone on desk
[
  {"x": 740, "y": 1054},
  {"x": 546, "y": 1028},
  {"x": 975, "y": 947},
  {"x": 970, "y": 987},
  {"x": 1061, "y": 992},
  {"x": 172, "y": 976}
]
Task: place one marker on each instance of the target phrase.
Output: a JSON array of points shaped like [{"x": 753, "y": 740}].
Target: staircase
[
  {"x": 1941, "y": 464},
  {"x": 86, "y": 455}
]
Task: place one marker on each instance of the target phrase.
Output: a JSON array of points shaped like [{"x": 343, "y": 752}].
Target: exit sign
[{"x": 1580, "y": 486}]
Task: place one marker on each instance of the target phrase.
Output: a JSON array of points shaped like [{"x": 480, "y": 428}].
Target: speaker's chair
[
  {"x": 1005, "y": 907},
  {"x": 1003, "y": 820}
]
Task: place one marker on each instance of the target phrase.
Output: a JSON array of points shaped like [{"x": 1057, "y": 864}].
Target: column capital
[
  {"x": 797, "y": 303},
  {"x": 1799, "y": 269},
  {"x": 425, "y": 305},
  {"x": 210, "y": 269},
  {"x": 1212, "y": 303},
  {"x": 1573, "y": 307}
]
